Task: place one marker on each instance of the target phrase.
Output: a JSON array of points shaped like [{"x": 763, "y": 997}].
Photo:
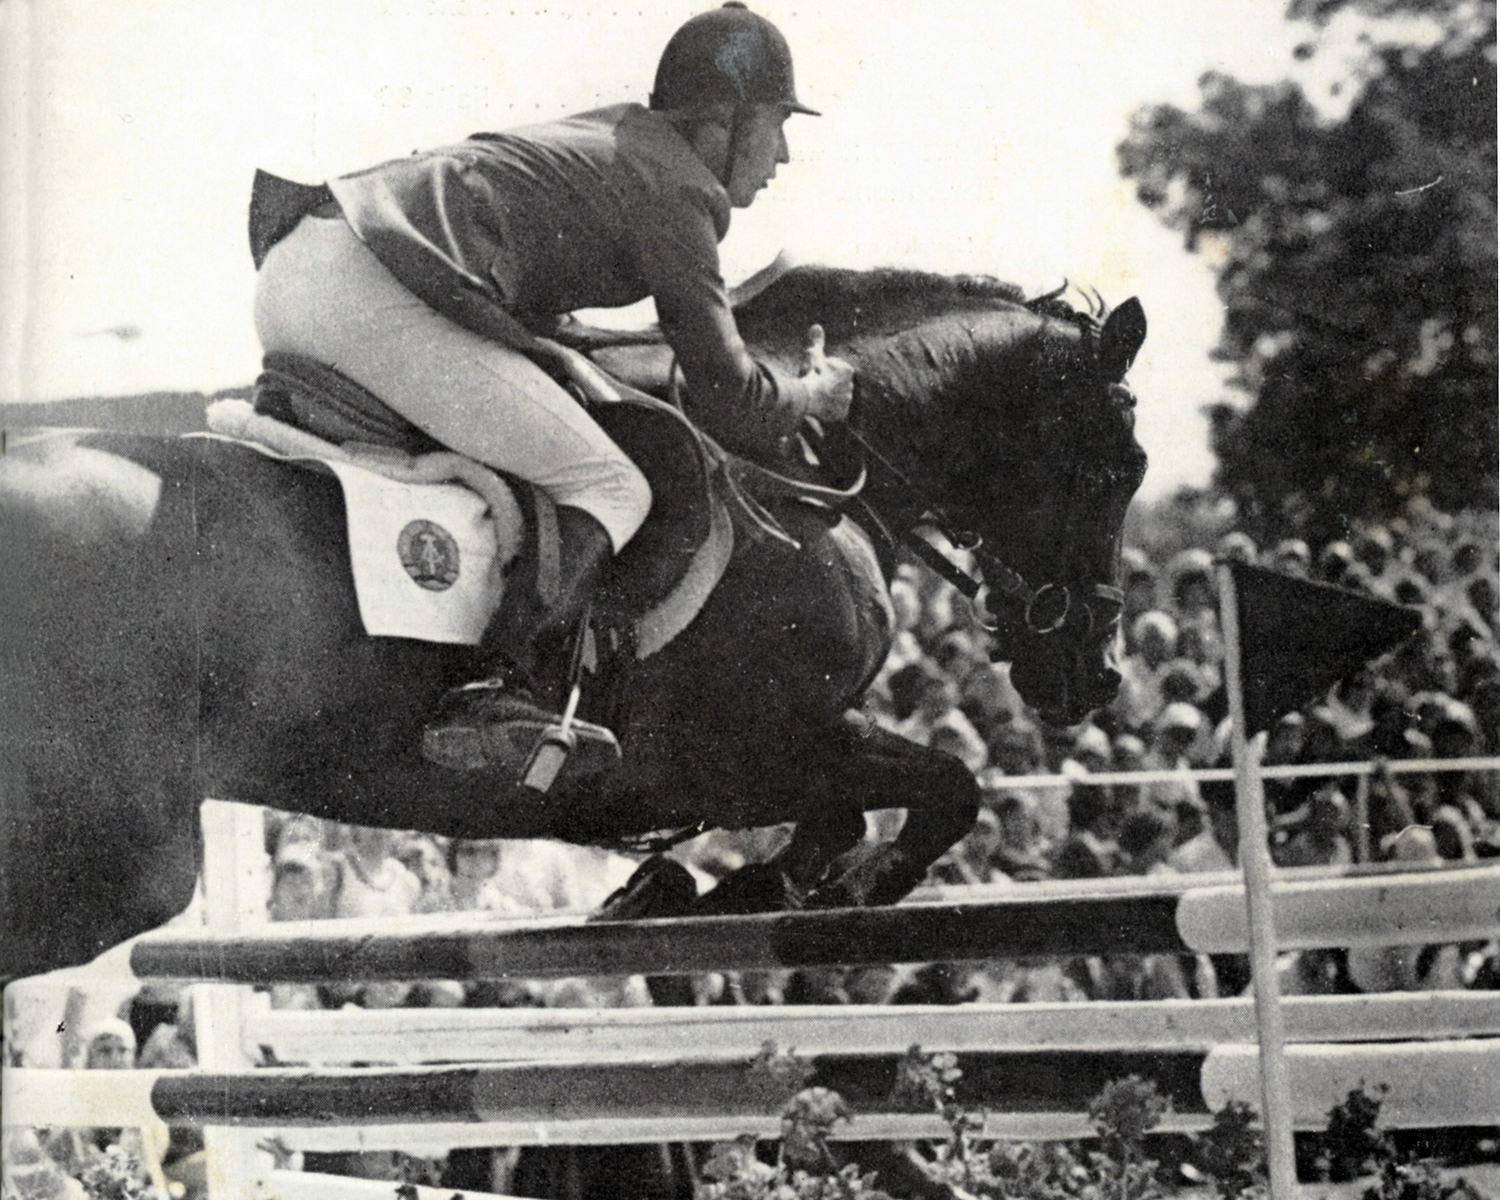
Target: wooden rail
[{"x": 1176, "y": 916}]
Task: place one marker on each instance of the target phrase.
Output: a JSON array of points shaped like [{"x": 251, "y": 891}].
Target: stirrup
[{"x": 491, "y": 727}]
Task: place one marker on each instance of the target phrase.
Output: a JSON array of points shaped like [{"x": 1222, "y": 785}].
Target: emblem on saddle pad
[{"x": 429, "y": 554}]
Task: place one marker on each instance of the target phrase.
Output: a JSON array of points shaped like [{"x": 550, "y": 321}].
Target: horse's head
[
  {"x": 1049, "y": 462},
  {"x": 1010, "y": 418}
]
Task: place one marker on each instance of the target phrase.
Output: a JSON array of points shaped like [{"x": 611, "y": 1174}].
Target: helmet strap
[{"x": 736, "y": 130}]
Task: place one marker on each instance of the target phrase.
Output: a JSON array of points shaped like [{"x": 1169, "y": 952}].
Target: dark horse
[{"x": 180, "y": 622}]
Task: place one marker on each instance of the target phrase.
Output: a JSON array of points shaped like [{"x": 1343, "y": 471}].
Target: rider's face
[{"x": 761, "y": 148}]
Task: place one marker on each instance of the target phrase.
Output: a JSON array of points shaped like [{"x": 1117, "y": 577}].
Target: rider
[{"x": 419, "y": 278}]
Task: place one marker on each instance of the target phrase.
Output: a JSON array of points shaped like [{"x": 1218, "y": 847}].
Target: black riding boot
[{"x": 496, "y": 723}]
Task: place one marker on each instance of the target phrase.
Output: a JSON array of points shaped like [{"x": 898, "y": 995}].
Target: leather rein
[{"x": 1043, "y": 609}]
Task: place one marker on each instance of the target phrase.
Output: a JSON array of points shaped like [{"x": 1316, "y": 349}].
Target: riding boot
[{"x": 496, "y": 722}]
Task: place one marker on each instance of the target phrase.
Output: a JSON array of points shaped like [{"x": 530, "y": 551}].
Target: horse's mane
[
  {"x": 967, "y": 343},
  {"x": 885, "y": 300}
]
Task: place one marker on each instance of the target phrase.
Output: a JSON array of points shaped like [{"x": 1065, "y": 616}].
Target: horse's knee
[
  {"x": 954, "y": 792},
  {"x": 947, "y": 807}
]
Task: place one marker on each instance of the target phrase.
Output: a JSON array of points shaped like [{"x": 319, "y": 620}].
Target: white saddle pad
[
  {"x": 428, "y": 558},
  {"x": 424, "y": 557}
]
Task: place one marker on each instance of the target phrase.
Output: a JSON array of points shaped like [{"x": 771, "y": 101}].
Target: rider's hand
[{"x": 830, "y": 380}]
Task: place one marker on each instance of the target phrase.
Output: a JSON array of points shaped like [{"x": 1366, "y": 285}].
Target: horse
[{"x": 181, "y": 623}]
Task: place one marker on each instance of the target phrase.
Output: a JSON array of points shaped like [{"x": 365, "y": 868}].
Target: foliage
[
  {"x": 972, "y": 1168},
  {"x": 117, "y": 1176},
  {"x": 804, "y": 1170},
  {"x": 807, "y": 1122},
  {"x": 776, "y": 1074},
  {"x": 967, "y": 1166},
  {"x": 1354, "y": 1147},
  {"x": 1353, "y": 1144},
  {"x": 1233, "y": 1153},
  {"x": 1357, "y": 264},
  {"x": 1417, "y": 1181}
]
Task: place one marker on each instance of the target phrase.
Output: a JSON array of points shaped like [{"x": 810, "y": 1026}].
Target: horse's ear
[{"x": 1124, "y": 331}]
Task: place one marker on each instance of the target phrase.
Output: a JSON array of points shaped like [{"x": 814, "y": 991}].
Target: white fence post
[{"x": 235, "y": 893}]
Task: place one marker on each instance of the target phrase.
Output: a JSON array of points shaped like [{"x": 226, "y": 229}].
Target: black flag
[{"x": 1298, "y": 638}]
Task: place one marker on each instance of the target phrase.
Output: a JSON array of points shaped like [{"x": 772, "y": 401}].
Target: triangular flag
[{"x": 1299, "y": 638}]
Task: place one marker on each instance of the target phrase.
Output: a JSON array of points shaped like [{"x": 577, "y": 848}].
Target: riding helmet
[{"x": 730, "y": 54}]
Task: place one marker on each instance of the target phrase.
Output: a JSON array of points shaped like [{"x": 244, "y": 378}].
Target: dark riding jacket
[{"x": 596, "y": 210}]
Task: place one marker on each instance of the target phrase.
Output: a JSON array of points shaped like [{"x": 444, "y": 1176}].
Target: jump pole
[{"x": 1255, "y": 862}]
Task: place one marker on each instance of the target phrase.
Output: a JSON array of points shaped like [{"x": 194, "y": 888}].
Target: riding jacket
[{"x": 597, "y": 210}]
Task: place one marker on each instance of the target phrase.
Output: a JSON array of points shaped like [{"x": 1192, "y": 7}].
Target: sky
[{"x": 971, "y": 136}]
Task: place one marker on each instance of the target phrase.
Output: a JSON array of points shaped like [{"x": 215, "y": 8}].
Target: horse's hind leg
[{"x": 819, "y": 840}]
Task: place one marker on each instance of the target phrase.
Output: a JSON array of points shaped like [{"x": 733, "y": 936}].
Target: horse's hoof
[
  {"x": 878, "y": 879},
  {"x": 660, "y": 887},
  {"x": 756, "y": 888}
]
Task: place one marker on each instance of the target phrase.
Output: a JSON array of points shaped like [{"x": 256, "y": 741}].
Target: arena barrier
[{"x": 474, "y": 1077}]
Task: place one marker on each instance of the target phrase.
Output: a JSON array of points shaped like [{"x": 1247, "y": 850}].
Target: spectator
[
  {"x": 471, "y": 864},
  {"x": 1216, "y": 846},
  {"x": 1016, "y": 748},
  {"x": 987, "y": 698},
  {"x": 301, "y": 884},
  {"x": 1451, "y": 834},
  {"x": 1292, "y": 557},
  {"x": 954, "y": 734},
  {"x": 371, "y": 883},
  {"x": 109, "y": 1045},
  {"x": 1336, "y": 559},
  {"x": 1180, "y": 732},
  {"x": 1237, "y": 547},
  {"x": 1147, "y": 839},
  {"x": 1017, "y": 851},
  {"x": 423, "y": 857},
  {"x": 1374, "y": 548},
  {"x": 1139, "y": 581},
  {"x": 1322, "y": 839},
  {"x": 1140, "y": 698},
  {"x": 1193, "y": 587},
  {"x": 1407, "y": 968}
]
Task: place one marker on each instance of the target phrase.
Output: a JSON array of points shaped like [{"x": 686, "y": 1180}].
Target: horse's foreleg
[{"x": 942, "y": 801}]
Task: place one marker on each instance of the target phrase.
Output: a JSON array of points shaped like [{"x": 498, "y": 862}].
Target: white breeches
[{"x": 324, "y": 294}]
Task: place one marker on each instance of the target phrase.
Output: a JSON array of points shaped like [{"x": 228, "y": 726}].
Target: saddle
[{"x": 706, "y": 500}]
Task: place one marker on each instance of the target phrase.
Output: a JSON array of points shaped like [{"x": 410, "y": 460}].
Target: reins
[{"x": 1044, "y": 609}]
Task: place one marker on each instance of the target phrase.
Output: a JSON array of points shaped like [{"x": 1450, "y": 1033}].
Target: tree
[{"x": 1358, "y": 273}]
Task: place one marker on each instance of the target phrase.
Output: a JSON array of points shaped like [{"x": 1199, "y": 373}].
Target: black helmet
[{"x": 729, "y": 54}]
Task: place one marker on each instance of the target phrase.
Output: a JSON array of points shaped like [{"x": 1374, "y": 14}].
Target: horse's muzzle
[{"x": 1064, "y": 692}]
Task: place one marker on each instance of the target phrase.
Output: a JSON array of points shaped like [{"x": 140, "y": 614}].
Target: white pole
[
  {"x": 1255, "y": 862},
  {"x": 235, "y": 882}
]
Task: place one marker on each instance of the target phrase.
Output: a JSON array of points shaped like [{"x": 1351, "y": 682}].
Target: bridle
[{"x": 1043, "y": 608}]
